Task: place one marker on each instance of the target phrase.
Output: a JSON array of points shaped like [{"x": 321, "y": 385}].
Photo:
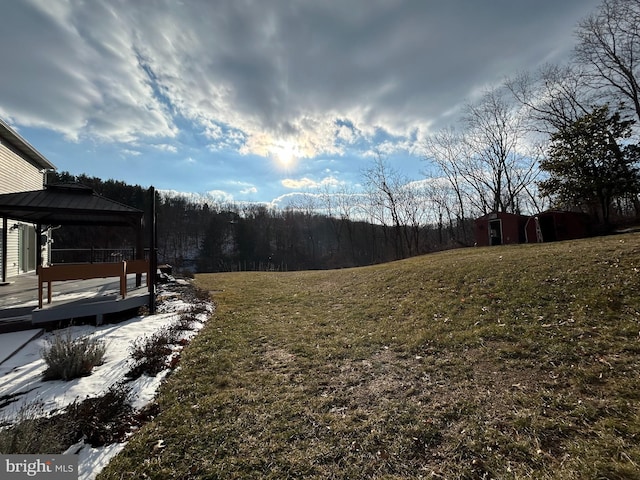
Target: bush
[
  {"x": 150, "y": 353},
  {"x": 184, "y": 323},
  {"x": 33, "y": 432},
  {"x": 103, "y": 420},
  {"x": 100, "y": 421},
  {"x": 68, "y": 358}
]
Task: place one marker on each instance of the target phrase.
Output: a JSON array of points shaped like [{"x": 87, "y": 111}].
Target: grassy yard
[{"x": 503, "y": 362}]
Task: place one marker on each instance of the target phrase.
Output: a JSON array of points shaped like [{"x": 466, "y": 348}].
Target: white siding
[
  {"x": 16, "y": 175},
  {"x": 12, "y": 250}
]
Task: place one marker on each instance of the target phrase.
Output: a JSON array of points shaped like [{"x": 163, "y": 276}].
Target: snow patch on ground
[{"x": 21, "y": 375}]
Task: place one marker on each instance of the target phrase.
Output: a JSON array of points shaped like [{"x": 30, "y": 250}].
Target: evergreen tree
[{"x": 591, "y": 163}]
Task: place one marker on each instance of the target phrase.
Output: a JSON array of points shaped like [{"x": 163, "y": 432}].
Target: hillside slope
[{"x": 502, "y": 362}]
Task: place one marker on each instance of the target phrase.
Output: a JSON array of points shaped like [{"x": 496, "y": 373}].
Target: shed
[
  {"x": 500, "y": 228},
  {"x": 555, "y": 225}
]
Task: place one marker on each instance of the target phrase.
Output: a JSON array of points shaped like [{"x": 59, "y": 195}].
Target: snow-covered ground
[{"x": 22, "y": 373}]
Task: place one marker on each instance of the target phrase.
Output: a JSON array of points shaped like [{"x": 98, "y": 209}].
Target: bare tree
[
  {"x": 398, "y": 204},
  {"x": 609, "y": 45},
  {"x": 384, "y": 184},
  {"x": 308, "y": 205},
  {"x": 413, "y": 214},
  {"x": 439, "y": 196},
  {"x": 447, "y": 149},
  {"x": 348, "y": 207},
  {"x": 553, "y": 98},
  {"x": 500, "y": 167}
]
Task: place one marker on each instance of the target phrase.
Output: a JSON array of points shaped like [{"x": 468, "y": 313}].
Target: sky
[{"x": 259, "y": 100}]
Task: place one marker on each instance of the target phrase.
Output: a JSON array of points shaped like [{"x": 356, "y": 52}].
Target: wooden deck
[{"x": 73, "y": 299}]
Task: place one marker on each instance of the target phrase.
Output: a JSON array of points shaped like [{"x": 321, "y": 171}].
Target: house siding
[
  {"x": 12, "y": 251},
  {"x": 17, "y": 174}
]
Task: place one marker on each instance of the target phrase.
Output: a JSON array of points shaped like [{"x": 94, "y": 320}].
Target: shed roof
[
  {"x": 67, "y": 204},
  {"x": 9, "y": 136},
  {"x": 494, "y": 215}
]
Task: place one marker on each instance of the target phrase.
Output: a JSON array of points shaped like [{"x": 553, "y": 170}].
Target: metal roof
[
  {"x": 67, "y": 204},
  {"x": 10, "y": 137}
]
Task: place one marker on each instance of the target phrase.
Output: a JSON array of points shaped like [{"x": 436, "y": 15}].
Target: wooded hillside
[{"x": 208, "y": 237}]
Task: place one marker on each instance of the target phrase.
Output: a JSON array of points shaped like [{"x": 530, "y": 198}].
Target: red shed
[
  {"x": 500, "y": 229},
  {"x": 554, "y": 225}
]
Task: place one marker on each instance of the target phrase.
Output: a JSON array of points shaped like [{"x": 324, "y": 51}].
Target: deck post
[
  {"x": 153, "y": 259},
  {"x": 139, "y": 250},
  {"x": 4, "y": 249},
  {"x": 38, "y": 245}
]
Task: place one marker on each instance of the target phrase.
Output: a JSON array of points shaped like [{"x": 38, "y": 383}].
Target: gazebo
[{"x": 76, "y": 204}]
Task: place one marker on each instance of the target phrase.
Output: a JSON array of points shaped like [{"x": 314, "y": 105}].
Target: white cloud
[
  {"x": 307, "y": 183},
  {"x": 77, "y": 71},
  {"x": 166, "y": 147},
  {"x": 302, "y": 183},
  {"x": 131, "y": 153},
  {"x": 219, "y": 196}
]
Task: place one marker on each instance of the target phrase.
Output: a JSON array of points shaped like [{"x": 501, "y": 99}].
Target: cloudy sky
[{"x": 254, "y": 100}]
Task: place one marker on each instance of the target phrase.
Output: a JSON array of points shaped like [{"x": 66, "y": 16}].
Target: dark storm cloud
[{"x": 269, "y": 69}]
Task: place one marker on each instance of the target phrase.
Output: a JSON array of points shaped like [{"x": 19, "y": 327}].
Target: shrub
[
  {"x": 184, "y": 323},
  {"x": 150, "y": 353},
  {"x": 100, "y": 421},
  {"x": 103, "y": 420},
  {"x": 33, "y": 432},
  {"x": 68, "y": 358}
]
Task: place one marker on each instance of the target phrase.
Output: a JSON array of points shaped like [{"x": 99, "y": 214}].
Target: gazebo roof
[{"x": 67, "y": 204}]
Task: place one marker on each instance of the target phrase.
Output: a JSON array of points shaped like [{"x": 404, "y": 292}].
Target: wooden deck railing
[{"x": 86, "y": 271}]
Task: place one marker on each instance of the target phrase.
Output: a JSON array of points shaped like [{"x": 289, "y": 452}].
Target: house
[{"x": 22, "y": 168}]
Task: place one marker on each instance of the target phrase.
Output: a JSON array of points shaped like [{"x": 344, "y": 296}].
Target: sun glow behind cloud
[
  {"x": 285, "y": 153},
  {"x": 300, "y": 88}
]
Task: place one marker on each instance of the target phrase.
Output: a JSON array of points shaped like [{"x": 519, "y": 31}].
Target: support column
[
  {"x": 153, "y": 259},
  {"x": 4, "y": 249},
  {"x": 139, "y": 249},
  {"x": 38, "y": 247}
]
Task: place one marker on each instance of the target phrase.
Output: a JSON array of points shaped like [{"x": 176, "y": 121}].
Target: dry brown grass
[{"x": 511, "y": 362}]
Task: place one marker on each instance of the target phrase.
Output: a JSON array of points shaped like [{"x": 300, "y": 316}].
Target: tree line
[{"x": 318, "y": 232}]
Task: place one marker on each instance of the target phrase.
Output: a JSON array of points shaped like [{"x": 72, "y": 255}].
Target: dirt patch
[{"x": 277, "y": 357}]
